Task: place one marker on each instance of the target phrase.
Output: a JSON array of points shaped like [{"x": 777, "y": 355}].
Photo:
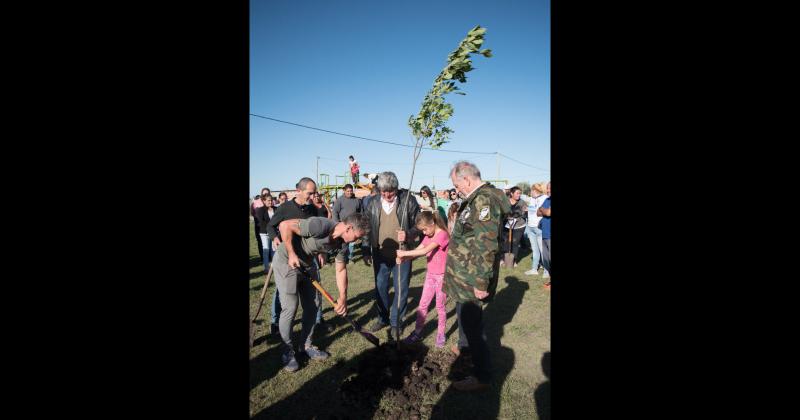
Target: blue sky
[{"x": 363, "y": 67}]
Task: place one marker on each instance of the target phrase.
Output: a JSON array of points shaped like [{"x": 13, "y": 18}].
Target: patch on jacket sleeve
[
  {"x": 465, "y": 215},
  {"x": 484, "y": 214}
]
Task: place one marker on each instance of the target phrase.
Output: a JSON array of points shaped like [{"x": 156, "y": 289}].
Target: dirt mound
[{"x": 392, "y": 383}]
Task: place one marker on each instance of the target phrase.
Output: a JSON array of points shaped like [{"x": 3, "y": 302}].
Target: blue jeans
[
  {"x": 318, "y": 296},
  {"x": 387, "y": 308},
  {"x": 267, "y": 255},
  {"x": 267, "y": 251},
  {"x": 535, "y": 238}
]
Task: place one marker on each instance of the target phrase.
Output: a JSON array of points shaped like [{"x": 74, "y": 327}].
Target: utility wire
[
  {"x": 368, "y": 139},
  {"x": 522, "y": 163},
  {"x": 393, "y": 143}
]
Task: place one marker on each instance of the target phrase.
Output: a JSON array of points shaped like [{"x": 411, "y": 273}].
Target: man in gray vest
[{"x": 390, "y": 225}]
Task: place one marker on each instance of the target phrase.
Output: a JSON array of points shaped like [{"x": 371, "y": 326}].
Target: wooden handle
[
  {"x": 263, "y": 294},
  {"x": 266, "y": 282},
  {"x": 323, "y": 291}
]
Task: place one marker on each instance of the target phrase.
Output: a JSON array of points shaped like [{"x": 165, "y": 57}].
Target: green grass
[{"x": 518, "y": 319}]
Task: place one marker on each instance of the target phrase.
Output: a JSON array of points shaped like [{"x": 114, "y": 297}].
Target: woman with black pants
[{"x": 519, "y": 218}]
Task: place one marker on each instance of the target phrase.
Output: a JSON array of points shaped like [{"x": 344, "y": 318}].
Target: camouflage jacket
[{"x": 473, "y": 255}]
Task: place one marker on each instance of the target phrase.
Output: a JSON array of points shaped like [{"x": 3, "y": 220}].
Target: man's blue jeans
[{"x": 383, "y": 269}]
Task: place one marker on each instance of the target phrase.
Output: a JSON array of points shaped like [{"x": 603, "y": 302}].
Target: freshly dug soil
[{"x": 403, "y": 383}]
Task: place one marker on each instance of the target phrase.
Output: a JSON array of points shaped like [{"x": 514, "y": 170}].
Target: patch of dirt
[{"x": 402, "y": 383}]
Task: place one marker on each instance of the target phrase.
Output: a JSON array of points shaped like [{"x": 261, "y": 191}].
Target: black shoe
[
  {"x": 324, "y": 326},
  {"x": 377, "y": 326},
  {"x": 273, "y": 329},
  {"x": 390, "y": 334},
  {"x": 290, "y": 362}
]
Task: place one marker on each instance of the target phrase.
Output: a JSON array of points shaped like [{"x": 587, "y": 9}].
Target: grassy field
[{"x": 517, "y": 327}]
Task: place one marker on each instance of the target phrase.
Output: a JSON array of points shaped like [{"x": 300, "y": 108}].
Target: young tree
[{"x": 428, "y": 126}]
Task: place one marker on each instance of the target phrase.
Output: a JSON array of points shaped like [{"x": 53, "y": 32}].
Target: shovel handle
[
  {"x": 263, "y": 293},
  {"x": 323, "y": 292}
]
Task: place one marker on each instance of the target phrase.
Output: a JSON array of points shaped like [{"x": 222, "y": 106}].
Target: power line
[
  {"x": 522, "y": 163},
  {"x": 368, "y": 139},
  {"x": 394, "y": 144},
  {"x": 389, "y": 163}
]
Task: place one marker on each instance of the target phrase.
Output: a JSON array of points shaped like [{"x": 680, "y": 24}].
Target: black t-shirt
[
  {"x": 322, "y": 211},
  {"x": 288, "y": 211}
]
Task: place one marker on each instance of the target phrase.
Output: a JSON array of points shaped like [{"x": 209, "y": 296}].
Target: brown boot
[{"x": 470, "y": 384}]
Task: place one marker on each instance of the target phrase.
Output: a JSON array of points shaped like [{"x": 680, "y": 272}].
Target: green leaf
[
  {"x": 487, "y": 53},
  {"x": 477, "y": 30}
]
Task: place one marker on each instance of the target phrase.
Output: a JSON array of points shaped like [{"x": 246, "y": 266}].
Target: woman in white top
[
  {"x": 532, "y": 230},
  {"x": 426, "y": 200}
]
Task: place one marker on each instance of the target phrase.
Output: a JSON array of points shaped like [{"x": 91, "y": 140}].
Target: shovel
[
  {"x": 508, "y": 258},
  {"x": 260, "y": 303},
  {"x": 358, "y": 328}
]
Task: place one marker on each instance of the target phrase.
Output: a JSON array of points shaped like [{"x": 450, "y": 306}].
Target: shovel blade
[
  {"x": 371, "y": 338},
  {"x": 364, "y": 333}
]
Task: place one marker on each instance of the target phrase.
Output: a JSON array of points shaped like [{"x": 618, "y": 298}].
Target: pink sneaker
[{"x": 440, "y": 341}]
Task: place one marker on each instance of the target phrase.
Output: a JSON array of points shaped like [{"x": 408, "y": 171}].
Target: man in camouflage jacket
[{"x": 473, "y": 263}]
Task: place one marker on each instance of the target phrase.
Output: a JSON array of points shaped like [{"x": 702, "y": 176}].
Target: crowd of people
[{"x": 463, "y": 237}]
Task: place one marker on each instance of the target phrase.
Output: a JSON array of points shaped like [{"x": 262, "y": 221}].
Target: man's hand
[
  {"x": 341, "y": 306},
  {"x": 276, "y": 243},
  {"x": 367, "y": 260},
  {"x": 480, "y": 294},
  {"x": 294, "y": 262},
  {"x": 321, "y": 260},
  {"x": 401, "y": 236}
]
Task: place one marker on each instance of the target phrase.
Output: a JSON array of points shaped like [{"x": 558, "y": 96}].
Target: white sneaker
[{"x": 531, "y": 273}]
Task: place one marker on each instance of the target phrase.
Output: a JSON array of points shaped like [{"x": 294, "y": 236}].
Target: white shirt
[
  {"x": 387, "y": 206},
  {"x": 533, "y": 204}
]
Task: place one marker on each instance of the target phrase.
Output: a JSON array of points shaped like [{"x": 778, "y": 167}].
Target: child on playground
[
  {"x": 354, "y": 169},
  {"x": 434, "y": 246}
]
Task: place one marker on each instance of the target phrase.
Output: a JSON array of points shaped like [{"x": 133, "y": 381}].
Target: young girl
[{"x": 434, "y": 246}]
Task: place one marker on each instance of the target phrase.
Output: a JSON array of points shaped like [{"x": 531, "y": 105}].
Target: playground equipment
[
  {"x": 329, "y": 190},
  {"x": 497, "y": 181}
]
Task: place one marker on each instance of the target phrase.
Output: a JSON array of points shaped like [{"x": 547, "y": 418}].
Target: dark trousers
[
  {"x": 546, "y": 255},
  {"x": 516, "y": 240},
  {"x": 470, "y": 320},
  {"x": 260, "y": 245}
]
